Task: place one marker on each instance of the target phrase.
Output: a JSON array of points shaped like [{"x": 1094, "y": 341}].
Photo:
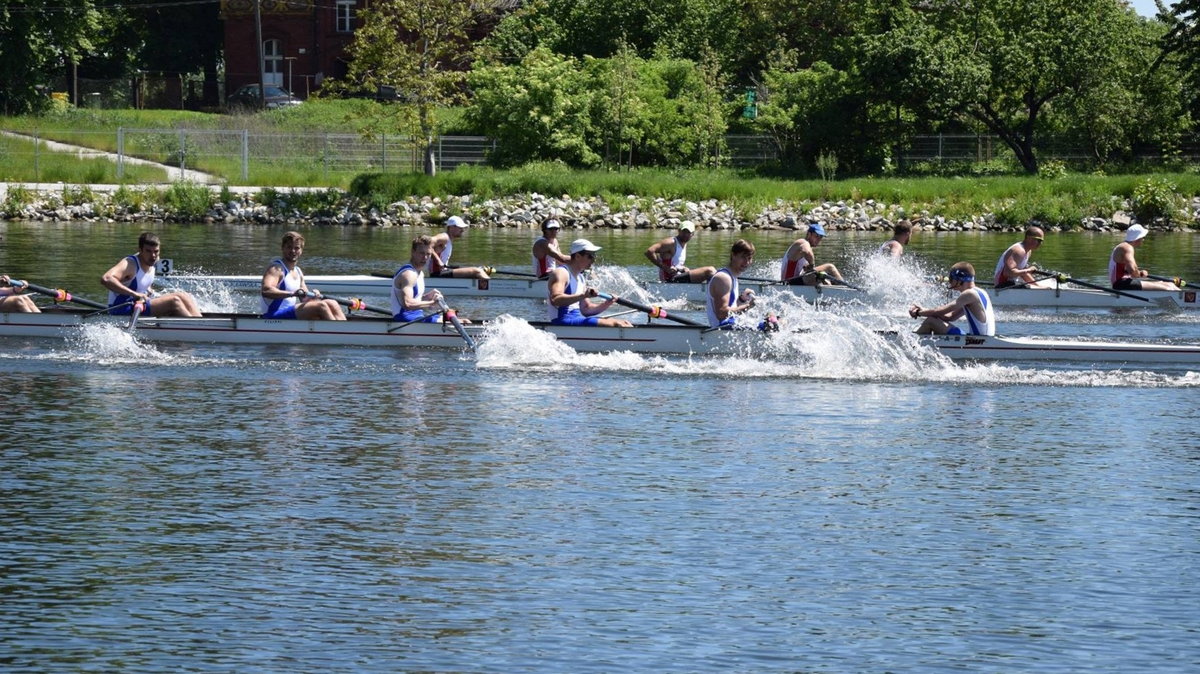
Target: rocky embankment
[{"x": 300, "y": 208}]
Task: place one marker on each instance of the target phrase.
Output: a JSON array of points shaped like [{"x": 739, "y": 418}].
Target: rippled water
[{"x": 851, "y": 506}]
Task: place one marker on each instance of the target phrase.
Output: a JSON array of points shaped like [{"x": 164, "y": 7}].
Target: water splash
[
  {"x": 824, "y": 347},
  {"x": 212, "y": 296}
]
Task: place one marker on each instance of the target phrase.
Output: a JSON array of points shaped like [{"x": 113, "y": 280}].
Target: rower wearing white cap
[
  {"x": 443, "y": 246},
  {"x": 670, "y": 256},
  {"x": 972, "y": 303},
  {"x": 1123, "y": 271},
  {"x": 799, "y": 262},
  {"x": 570, "y": 299},
  {"x": 546, "y": 255}
]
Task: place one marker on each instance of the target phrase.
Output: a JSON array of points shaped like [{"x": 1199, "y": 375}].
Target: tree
[
  {"x": 38, "y": 42},
  {"x": 421, "y": 48},
  {"x": 1004, "y": 63}
]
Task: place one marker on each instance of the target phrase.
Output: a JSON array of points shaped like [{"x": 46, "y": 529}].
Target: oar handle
[
  {"x": 653, "y": 312},
  {"x": 450, "y": 315},
  {"x": 351, "y": 303},
  {"x": 60, "y": 295},
  {"x": 1170, "y": 279}
]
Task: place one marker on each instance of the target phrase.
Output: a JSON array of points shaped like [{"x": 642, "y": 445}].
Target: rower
[
  {"x": 443, "y": 246},
  {"x": 894, "y": 247},
  {"x": 723, "y": 299},
  {"x": 570, "y": 300},
  {"x": 799, "y": 263},
  {"x": 546, "y": 255},
  {"x": 284, "y": 293},
  {"x": 11, "y": 299},
  {"x": 1013, "y": 267},
  {"x": 409, "y": 297},
  {"x": 129, "y": 283},
  {"x": 972, "y": 302},
  {"x": 670, "y": 256},
  {"x": 1123, "y": 271}
]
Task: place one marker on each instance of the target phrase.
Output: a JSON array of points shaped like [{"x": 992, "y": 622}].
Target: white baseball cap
[
  {"x": 551, "y": 224},
  {"x": 455, "y": 221},
  {"x": 687, "y": 226},
  {"x": 583, "y": 245},
  {"x": 1135, "y": 232}
]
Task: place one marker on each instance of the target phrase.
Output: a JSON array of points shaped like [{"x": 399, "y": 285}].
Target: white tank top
[
  {"x": 713, "y": 321},
  {"x": 141, "y": 282},
  {"x": 553, "y": 312},
  {"x": 418, "y": 289},
  {"x": 1022, "y": 263},
  {"x": 988, "y": 327},
  {"x": 545, "y": 265},
  {"x": 290, "y": 282}
]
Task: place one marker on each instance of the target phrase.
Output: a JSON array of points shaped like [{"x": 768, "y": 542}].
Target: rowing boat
[
  {"x": 365, "y": 284},
  {"x": 1056, "y": 298},
  {"x": 647, "y": 338}
]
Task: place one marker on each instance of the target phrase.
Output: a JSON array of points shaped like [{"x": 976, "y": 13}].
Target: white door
[{"x": 273, "y": 63}]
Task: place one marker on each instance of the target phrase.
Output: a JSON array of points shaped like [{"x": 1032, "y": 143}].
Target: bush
[
  {"x": 1154, "y": 198},
  {"x": 188, "y": 200}
]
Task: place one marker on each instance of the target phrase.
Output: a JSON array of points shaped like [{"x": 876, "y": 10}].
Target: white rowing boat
[
  {"x": 529, "y": 288},
  {"x": 649, "y": 338},
  {"x": 1062, "y": 297}
]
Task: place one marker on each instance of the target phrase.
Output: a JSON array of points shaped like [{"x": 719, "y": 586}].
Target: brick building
[{"x": 304, "y": 41}]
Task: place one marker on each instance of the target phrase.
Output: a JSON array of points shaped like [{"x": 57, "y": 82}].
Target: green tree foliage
[
  {"x": 1004, "y": 65},
  {"x": 421, "y": 48},
  {"x": 38, "y": 39},
  {"x": 538, "y": 109}
]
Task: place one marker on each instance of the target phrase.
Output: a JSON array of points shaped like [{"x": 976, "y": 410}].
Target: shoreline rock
[{"x": 300, "y": 208}]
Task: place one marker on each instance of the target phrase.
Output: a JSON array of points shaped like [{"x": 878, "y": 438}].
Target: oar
[
  {"x": 1176, "y": 280},
  {"x": 415, "y": 320},
  {"x": 352, "y": 303},
  {"x": 59, "y": 295},
  {"x": 654, "y": 312},
  {"x": 492, "y": 270},
  {"x": 839, "y": 282},
  {"x": 138, "y": 307},
  {"x": 1063, "y": 278},
  {"x": 453, "y": 317}
]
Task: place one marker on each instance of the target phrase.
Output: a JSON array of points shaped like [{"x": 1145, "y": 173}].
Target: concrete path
[{"x": 173, "y": 172}]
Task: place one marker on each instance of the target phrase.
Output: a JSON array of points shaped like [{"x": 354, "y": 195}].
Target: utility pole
[{"x": 262, "y": 72}]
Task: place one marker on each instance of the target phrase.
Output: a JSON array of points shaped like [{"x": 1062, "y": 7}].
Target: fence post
[
  {"x": 245, "y": 155},
  {"x": 383, "y": 152},
  {"x": 120, "y": 152},
  {"x": 37, "y": 146},
  {"x": 182, "y": 153},
  {"x": 325, "y": 156}
]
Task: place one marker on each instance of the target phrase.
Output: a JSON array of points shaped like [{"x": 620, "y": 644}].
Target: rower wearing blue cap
[
  {"x": 799, "y": 263},
  {"x": 972, "y": 302}
]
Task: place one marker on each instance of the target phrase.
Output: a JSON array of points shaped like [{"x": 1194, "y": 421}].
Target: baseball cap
[
  {"x": 455, "y": 221},
  {"x": 583, "y": 245},
  {"x": 1135, "y": 232},
  {"x": 551, "y": 224},
  {"x": 687, "y": 226},
  {"x": 817, "y": 229}
]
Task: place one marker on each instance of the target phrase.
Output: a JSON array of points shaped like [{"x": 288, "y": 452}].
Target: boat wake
[{"x": 826, "y": 346}]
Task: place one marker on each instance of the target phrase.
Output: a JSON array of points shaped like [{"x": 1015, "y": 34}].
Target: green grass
[{"x": 21, "y": 161}]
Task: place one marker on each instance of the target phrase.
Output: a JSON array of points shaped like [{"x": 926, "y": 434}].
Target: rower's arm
[
  {"x": 270, "y": 284},
  {"x": 114, "y": 278},
  {"x": 654, "y": 254}
]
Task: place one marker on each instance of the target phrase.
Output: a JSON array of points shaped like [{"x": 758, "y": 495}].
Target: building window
[
  {"x": 273, "y": 62},
  {"x": 345, "y": 16}
]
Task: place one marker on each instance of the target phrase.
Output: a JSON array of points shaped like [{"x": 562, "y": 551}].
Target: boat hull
[{"x": 652, "y": 338}]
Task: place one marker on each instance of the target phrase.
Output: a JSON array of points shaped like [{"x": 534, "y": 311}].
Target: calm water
[{"x": 270, "y": 509}]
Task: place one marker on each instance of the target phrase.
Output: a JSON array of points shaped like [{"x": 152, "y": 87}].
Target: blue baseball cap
[{"x": 817, "y": 229}]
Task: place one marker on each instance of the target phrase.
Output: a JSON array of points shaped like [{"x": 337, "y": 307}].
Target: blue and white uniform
[
  {"x": 283, "y": 307},
  {"x": 987, "y": 327},
  {"x": 141, "y": 282},
  {"x": 713, "y": 322},
  {"x": 398, "y": 311},
  {"x": 570, "y": 314}
]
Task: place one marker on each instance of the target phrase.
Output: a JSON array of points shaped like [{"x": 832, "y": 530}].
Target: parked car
[{"x": 246, "y": 98}]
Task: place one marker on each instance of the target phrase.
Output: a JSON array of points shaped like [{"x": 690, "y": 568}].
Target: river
[{"x": 268, "y": 509}]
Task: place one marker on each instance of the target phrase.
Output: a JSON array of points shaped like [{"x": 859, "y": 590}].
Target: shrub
[
  {"x": 188, "y": 200},
  {"x": 1154, "y": 198}
]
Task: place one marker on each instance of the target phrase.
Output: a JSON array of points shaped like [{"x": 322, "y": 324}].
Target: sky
[{"x": 1146, "y": 7}]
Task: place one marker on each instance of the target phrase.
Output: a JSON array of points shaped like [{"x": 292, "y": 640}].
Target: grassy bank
[
  {"x": 23, "y": 161},
  {"x": 1062, "y": 201}
]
